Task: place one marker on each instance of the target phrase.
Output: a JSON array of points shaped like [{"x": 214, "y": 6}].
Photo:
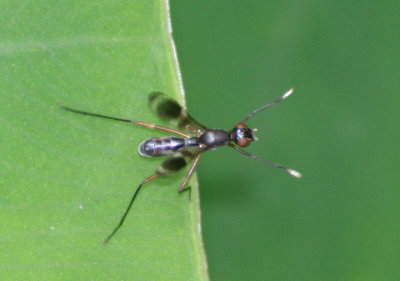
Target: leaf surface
[{"x": 65, "y": 178}]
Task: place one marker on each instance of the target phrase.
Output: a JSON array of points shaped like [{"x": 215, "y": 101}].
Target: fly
[{"x": 191, "y": 141}]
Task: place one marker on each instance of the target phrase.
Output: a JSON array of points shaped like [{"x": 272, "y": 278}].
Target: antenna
[
  {"x": 292, "y": 172},
  {"x": 287, "y": 94}
]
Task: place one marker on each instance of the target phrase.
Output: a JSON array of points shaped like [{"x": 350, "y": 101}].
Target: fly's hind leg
[
  {"x": 121, "y": 222},
  {"x": 139, "y": 123},
  {"x": 170, "y": 165}
]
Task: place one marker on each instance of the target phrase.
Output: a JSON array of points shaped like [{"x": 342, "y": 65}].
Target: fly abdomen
[{"x": 162, "y": 146}]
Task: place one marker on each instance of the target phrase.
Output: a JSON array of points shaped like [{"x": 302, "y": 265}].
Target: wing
[
  {"x": 171, "y": 111},
  {"x": 178, "y": 160}
]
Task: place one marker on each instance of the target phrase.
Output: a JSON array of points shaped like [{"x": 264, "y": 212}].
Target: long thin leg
[
  {"x": 189, "y": 174},
  {"x": 290, "y": 171},
  {"x": 161, "y": 128},
  {"x": 140, "y": 123},
  {"x": 156, "y": 175},
  {"x": 285, "y": 95}
]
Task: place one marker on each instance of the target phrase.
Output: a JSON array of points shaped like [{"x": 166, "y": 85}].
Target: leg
[
  {"x": 290, "y": 171},
  {"x": 178, "y": 161},
  {"x": 169, "y": 166},
  {"x": 161, "y": 128},
  {"x": 189, "y": 174},
  {"x": 188, "y": 188},
  {"x": 156, "y": 175},
  {"x": 144, "y": 124},
  {"x": 193, "y": 130},
  {"x": 285, "y": 95}
]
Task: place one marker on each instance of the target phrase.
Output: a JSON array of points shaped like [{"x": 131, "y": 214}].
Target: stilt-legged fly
[{"x": 193, "y": 139}]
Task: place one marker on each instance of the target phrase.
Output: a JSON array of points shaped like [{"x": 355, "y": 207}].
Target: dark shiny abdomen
[{"x": 163, "y": 146}]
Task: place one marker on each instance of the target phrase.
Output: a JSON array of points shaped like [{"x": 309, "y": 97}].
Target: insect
[{"x": 191, "y": 141}]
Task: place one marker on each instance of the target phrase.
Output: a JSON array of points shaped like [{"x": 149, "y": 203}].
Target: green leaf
[{"x": 66, "y": 179}]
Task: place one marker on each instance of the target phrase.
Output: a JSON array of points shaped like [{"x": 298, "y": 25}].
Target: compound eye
[
  {"x": 241, "y": 126},
  {"x": 243, "y": 142},
  {"x": 243, "y": 135}
]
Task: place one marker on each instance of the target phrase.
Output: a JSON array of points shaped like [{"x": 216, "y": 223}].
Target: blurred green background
[{"x": 339, "y": 128}]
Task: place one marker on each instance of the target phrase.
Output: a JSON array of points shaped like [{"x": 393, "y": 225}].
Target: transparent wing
[
  {"x": 171, "y": 111},
  {"x": 178, "y": 160}
]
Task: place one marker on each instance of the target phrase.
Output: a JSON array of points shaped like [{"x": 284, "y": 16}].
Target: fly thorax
[{"x": 214, "y": 138}]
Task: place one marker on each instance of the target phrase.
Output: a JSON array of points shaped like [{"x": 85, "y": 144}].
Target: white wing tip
[{"x": 294, "y": 173}]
